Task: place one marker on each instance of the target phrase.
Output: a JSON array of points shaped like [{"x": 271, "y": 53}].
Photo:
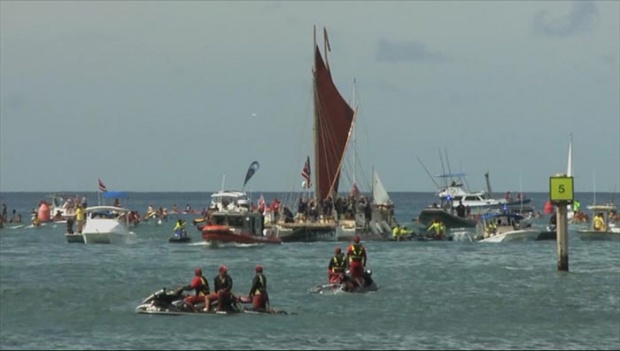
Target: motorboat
[
  {"x": 502, "y": 227},
  {"x": 610, "y": 231},
  {"x": 239, "y": 226},
  {"x": 107, "y": 225},
  {"x": 454, "y": 193}
]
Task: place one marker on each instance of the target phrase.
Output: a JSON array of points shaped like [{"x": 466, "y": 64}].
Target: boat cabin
[
  {"x": 498, "y": 223},
  {"x": 226, "y": 200},
  {"x": 605, "y": 212},
  {"x": 240, "y": 222}
]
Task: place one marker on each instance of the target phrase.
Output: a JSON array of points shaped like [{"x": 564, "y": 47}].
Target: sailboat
[
  {"x": 333, "y": 118},
  {"x": 377, "y": 223}
]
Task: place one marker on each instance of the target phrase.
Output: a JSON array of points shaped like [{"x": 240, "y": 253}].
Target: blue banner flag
[{"x": 253, "y": 168}]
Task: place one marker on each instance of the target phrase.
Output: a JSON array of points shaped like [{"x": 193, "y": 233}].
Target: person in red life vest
[
  {"x": 336, "y": 267},
  {"x": 222, "y": 285},
  {"x": 258, "y": 291},
  {"x": 356, "y": 258},
  {"x": 200, "y": 285}
]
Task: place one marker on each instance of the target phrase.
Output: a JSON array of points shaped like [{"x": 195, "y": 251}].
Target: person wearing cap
[
  {"x": 222, "y": 285},
  {"x": 356, "y": 259},
  {"x": 258, "y": 291},
  {"x": 200, "y": 285},
  {"x": 336, "y": 267}
]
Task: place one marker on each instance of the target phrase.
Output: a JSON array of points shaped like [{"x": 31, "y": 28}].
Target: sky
[{"x": 183, "y": 96}]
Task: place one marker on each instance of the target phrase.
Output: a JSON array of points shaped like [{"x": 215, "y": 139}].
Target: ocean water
[{"x": 432, "y": 295}]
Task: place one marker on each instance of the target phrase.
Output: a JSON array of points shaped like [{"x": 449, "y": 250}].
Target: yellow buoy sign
[{"x": 561, "y": 189}]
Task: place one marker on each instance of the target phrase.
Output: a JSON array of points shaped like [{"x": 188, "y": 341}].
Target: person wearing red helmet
[
  {"x": 356, "y": 259},
  {"x": 222, "y": 285},
  {"x": 258, "y": 291},
  {"x": 336, "y": 267},
  {"x": 200, "y": 285}
]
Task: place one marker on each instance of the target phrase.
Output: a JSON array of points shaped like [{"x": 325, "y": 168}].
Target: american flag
[
  {"x": 102, "y": 187},
  {"x": 354, "y": 190},
  {"x": 261, "y": 202},
  {"x": 305, "y": 172}
]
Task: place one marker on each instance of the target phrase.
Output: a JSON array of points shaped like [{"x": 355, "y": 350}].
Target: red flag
[
  {"x": 305, "y": 172},
  {"x": 102, "y": 187}
]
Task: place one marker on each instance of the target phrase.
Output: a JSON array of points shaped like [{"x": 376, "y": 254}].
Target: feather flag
[
  {"x": 253, "y": 168},
  {"x": 102, "y": 187}
]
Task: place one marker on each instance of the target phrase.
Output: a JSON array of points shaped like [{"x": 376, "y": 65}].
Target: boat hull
[
  {"x": 347, "y": 234},
  {"x": 590, "y": 235},
  {"x": 427, "y": 216},
  {"x": 176, "y": 239},
  {"x": 309, "y": 232},
  {"x": 516, "y": 235},
  {"x": 547, "y": 235},
  {"x": 105, "y": 238},
  {"x": 74, "y": 238},
  {"x": 218, "y": 234}
]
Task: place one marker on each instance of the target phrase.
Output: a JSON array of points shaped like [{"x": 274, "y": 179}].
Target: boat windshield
[{"x": 58, "y": 201}]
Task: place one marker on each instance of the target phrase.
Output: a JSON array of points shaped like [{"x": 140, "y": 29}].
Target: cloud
[
  {"x": 582, "y": 17},
  {"x": 407, "y": 51}
]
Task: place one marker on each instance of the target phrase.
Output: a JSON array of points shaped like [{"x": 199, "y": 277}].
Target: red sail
[{"x": 333, "y": 118}]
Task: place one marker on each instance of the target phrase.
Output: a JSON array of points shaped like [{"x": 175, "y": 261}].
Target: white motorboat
[
  {"x": 454, "y": 193},
  {"x": 501, "y": 227},
  {"x": 107, "y": 225},
  {"x": 609, "y": 230},
  {"x": 61, "y": 208}
]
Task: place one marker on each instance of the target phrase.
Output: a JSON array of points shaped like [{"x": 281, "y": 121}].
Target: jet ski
[
  {"x": 170, "y": 302},
  {"x": 180, "y": 236},
  {"x": 348, "y": 285}
]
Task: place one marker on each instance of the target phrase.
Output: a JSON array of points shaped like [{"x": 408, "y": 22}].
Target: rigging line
[
  {"x": 448, "y": 163},
  {"x": 427, "y": 172},
  {"x": 443, "y": 170}
]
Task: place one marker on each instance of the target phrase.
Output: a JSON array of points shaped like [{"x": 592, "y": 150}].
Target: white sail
[
  {"x": 379, "y": 194},
  {"x": 569, "y": 170},
  {"x": 569, "y": 173}
]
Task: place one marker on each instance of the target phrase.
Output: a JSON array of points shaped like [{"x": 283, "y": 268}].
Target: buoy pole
[
  {"x": 562, "y": 236},
  {"x": 561, "y": 194}
]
